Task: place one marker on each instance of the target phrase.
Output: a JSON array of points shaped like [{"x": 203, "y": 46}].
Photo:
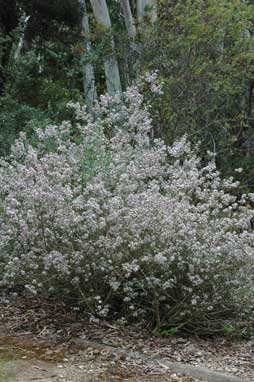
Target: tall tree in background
[
  {"x": 101, "y": 14},
  {"x": 128, "y": 19},
  {"x": 140, "y": 14},
  {"x": 87, "y": 67}
]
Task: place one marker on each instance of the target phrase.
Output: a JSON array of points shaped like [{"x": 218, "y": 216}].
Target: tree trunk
[
  {"x": 87, "y": 68},
  {"x": 111, "y": 68},
  {"x": 148, "y": 9},
  {"x": 128, "y": 19},
  {"x": 21, "y": 42}
]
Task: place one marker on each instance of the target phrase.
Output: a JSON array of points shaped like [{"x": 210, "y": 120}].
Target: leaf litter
[{"x": 75, "y": 350}]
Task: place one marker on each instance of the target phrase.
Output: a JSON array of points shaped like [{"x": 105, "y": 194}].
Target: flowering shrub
[{"x": 101, "y": 217}]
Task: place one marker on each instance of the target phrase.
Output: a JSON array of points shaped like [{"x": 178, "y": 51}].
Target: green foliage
[
  {"x": 15, "y": 117},
  {"x": 205, "y": 53},
  {"x": 51, "y": 19},
  {"x": 167, "y": 332},
  {"x": 2, "y": 379},
  {"x": 24, "y": 79},
  {"x": 228, "y": 329},
  {"x": 37, "y": 88}
]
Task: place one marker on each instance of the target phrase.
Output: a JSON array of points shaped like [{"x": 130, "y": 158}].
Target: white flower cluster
[{"x": 98, "y": 214}]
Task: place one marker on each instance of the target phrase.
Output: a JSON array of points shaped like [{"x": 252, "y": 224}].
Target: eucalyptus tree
[
  {"x": 102, "y": 17},
  {"x": 87, "y": 67},
  {"x": 129, "y": 20},
  {"x": 135, "y": 16}
]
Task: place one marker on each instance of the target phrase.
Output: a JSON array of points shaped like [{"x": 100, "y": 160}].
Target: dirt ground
[{"x": 36, "y": 345}]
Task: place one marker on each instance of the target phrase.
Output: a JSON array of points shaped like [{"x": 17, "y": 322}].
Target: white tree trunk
[
  {"x": 146, "y": 8},
  {"x": 22, "y": 37},
  {"x": 88, "y": 70},
  {"x": 101, "y": 14},
  {"x": 128, "y": 19},
  {"x": 140, "y": 11}
]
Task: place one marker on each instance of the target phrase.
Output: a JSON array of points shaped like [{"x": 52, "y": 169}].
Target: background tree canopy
[{"x": 203, "y": 51}]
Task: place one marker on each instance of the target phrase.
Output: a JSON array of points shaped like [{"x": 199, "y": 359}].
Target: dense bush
[{"x": 104, "y": 218}]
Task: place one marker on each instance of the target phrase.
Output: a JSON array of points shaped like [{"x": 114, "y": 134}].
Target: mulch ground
[{"x": 48, "y": 333}]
